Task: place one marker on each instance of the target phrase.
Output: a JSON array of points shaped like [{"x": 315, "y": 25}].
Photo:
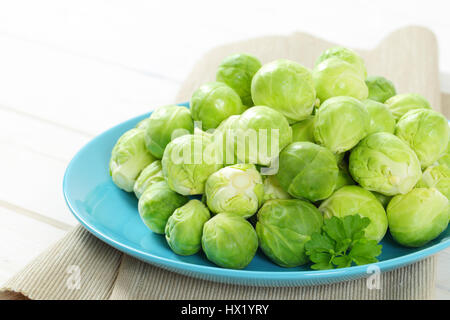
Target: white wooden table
[{"x": 71, "y": 69}]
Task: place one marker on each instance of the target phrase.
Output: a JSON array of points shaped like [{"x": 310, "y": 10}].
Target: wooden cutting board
[{"x": 408, "y": 57}]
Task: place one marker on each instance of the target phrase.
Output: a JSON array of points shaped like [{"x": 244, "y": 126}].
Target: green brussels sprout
[
  {"x": 273, "y": 189},
  {"x": 157, "y": 204},
  {"x": 128, "y": 158},
  {"x": 380, "y": 88},
  {"x": 339, "y": 157},
  {"x": 445, "y": 159},
  {"x": 237, "y": 189},
  {"x": 350, "y": 200},
  {"x": 335, "y": 77},
  {"x": 438, "y": 177},
  {"x": 303, "y": 130},
  {"x": 418, "y": 217},
  {"x": 285, "y": 86},
  {"x": 261, "y": 134},
  {"x": 229, "y": 241},
  {"x": 213, "y": 102},
  {"x": 346, "y": 55},
  {"x": 381, "y": 118},
  {"x": 340, "y": 123},
  {"x": 385, "y": 164},
  {"x": 344, "y": 178},
  {"x": 225, "y": 139},
  {"x": 426, "y": 132},
  {"x": 402, "y": 103},
  {"x": 185, "y": 227},
  {"x": 384, "y": 200},
  {"x": 150, "y": 175},
  {"x": 188, "y": 161},
  {"x": 237, "y": 71},
  {"x": 283, "y": 228},
  {"x": 165, "y": 124},
  {"x": 307, "y": 171},
  {"x": 143, "y": 124}
]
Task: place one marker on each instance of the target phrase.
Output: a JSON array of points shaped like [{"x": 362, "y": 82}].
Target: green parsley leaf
[
  {"x": 342, "y": 261},
  {"x": 320, "y": 243},
  {"x": 365, "y": 251},
  {"x": 355, "y": 225},
  {"x": 334, "y": 228},
  {"x": 320, "y": 250},
  {"x": 341, "y": 243},
  {"x": 322, "y": 260}
]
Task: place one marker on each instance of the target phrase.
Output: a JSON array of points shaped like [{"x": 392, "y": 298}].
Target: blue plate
[{"x": 112, "y": 216}]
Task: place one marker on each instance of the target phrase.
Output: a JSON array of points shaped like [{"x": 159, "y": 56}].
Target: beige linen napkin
[{"x": 80, "y": 266}]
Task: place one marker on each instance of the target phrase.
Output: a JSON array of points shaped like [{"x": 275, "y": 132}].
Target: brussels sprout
[
  {"x": 150, "y": 175},
  {"x": 346, "y": 55},
  {"x": 339, "y": 157},
  {"x": 334, "y": 77},
  {"x": 426, "y": 132},
  {"x": 229, "y": 241},
  {"x": 384, "y": 200},
  {"x": 237, "y": 71},
  {"x": 165, "y": 124},
  {"x": 380, "y": 89},
  {"x": 340, "y": 123},
  {"x": 303, "y": 130},
  {"x": 185, "y": 227},
  {"x": 350, "y": 200},
  {"x": 128, "y": 157},
  {"x": 273, "y": 190},
  {"x": 344, "y": 178},
  {"x": 307, "y": 171},
  {"x": 214, "y": 102},
  {"x": 262, "y": 133},
  {"x": 285, "y": 86},
  {"x": 225, "y": 139},
  {"x": 438, "y": 177},
  {"x": 381, "y": 118},
  {"x": 188, "y": 161},
  {"x": 418, "y": 217},
  {"x": 402, "y": 103},
  {"x": 143, "y": 124},
  {"x": 157, "y": 204},
  {"x": 237, "y": 189},
  {"x": 445, "y": 159},
  {"x": 385, "y": 164},
  {"x": 283, "y": 228}
]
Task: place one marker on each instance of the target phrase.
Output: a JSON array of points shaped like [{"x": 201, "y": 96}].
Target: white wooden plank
[
  {"x": 75, "y": 92},
  {"x": 33, "y": 182},
  {"x": 32, "y": 172},
  {"x": 21, "y": 240},
  {"x": 40, "y": 137},
  {"x": 37, "y": 154},
  {"x": 166, "y": 37}
]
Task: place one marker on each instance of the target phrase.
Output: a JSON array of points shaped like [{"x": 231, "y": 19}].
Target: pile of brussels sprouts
[{"x": 272, "y": 150}]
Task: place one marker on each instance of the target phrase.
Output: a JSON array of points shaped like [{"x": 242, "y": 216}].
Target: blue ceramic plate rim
[{"x": 218, "y": 273}]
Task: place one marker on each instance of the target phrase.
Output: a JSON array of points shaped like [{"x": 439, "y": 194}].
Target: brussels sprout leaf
[{"x": 341, "y": 243}]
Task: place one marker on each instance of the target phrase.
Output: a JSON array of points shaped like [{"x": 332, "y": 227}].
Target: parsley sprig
[{"x": 341, "y": 243}]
